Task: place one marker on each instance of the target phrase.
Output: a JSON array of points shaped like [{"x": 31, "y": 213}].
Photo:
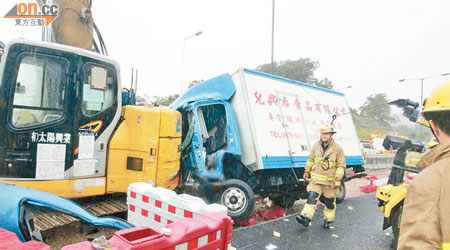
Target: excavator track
[{"x": 99, "y": 206}]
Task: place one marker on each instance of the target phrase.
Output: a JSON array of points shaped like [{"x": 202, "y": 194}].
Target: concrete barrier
[{"x": 379, "y": 161}]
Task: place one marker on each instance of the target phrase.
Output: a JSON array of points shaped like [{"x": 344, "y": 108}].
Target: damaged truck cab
[
  {"x": 249, "y": 133},
  {"x": 211, "y": 148}
]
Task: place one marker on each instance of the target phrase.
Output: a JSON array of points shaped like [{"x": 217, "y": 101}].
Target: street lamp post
[
  {"x": 348, "y": 87},
  {"x": 273, "y": 30},
  {"x": 421, "y": 87},
  {"x": 421, "y": 83},
  {"x": 182, "y": 63}
]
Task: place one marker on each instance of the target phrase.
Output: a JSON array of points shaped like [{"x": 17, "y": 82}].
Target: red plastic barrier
[
  {"x": 251, "y": 221},
  {"x": 10, "y": 241},
  {"x": 210, "y": 231},
  {"x": 369, "y": 188}
]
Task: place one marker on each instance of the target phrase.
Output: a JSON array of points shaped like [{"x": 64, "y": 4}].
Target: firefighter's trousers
[{"x": 314, "y": 192}]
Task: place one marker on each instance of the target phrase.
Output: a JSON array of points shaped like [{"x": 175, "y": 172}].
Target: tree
[
  {"x": 194, "y": 82},
  {"x": 165, "y": 100},
  {"x": 325, "y": 83},
  {"x": 377, "y": 107},
  {"x": 140, "y": 99},
  {"x": 301, "y": 70}
]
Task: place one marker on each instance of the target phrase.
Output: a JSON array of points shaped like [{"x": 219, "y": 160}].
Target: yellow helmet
[
  {"x": 327, "y": 129},
  {"x": 439, "y": 100},
  {"x": 432, "y": 144}
]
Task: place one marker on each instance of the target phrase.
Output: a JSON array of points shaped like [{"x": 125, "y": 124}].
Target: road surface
[{"x": 358, "y": 226}]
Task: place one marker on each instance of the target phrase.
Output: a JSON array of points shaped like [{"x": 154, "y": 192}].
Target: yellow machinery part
[
  {"x": 135, "y": 153},
  {"x": 170, "y": 123},
  {"x": 169, "y": 149},
  {"x": 67, "y": 188},
  {"x": 168, "y": 162},
  {"x": 392, "y": 196}
]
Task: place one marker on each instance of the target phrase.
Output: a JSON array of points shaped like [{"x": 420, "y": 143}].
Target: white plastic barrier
[{"x": 158, "y": 207}]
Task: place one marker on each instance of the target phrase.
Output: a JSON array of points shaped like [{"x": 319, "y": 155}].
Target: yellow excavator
[{"x": 67, "y": 128}]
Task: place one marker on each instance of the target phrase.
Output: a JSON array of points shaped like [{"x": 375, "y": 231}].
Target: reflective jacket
[
  {"x": 425, "y": 221},
  {"x": 326, "y": 166},
  {"x": 412, "y": 158}
]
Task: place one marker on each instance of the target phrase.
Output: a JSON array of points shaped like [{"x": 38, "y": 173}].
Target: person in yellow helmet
[
  {"x": 326, "y": 167},
  {"x": 425, "y": 221}
]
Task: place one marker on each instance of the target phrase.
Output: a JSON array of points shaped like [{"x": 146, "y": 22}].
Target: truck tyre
[
  {"x": 396, "y": 216},
  {"x": 238, "y": 197},
  {"x": 341, "y": 197}
]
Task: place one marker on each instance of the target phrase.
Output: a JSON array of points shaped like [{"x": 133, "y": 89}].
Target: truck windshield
[{"x": 214, "y": 117}]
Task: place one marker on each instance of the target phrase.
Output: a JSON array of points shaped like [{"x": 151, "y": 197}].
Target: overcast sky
[{"x": 368, "y": 45}]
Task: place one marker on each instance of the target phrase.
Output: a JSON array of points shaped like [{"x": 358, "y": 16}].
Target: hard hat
[
  {"x": 432, "y": 144},
  {"x": 327, "y": 129},
  {"x": 439, "y": 100}
]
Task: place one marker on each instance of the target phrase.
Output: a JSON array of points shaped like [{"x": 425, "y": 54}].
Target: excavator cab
[
  {"x": 59, "y": 107},
  {"x": 66, "y": 132}
]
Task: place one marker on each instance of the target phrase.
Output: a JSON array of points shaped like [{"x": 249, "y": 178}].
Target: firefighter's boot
[
  {"x": 303, "y": 220},
  {"x": 328, "y": 224}
]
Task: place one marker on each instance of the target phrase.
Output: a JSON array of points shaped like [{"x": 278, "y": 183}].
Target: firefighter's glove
[
  {"x": 306, "y": 176},
  {"x": 336, "y": 183}
]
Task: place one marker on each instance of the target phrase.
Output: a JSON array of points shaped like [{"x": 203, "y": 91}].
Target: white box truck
[{"x": 252, "y": 133}]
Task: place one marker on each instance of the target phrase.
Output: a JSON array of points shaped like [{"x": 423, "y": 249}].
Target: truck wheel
[
  {"x": 238, "y": 197},
  {"x": 396, "y": 216},
  {"x": 342, "y": 194}
]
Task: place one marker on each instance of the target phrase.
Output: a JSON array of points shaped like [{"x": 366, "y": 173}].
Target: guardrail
[{"x": 378, "y": 161}]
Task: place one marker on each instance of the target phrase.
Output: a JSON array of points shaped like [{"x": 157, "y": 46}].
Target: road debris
[{"x": 271, "y": 247}]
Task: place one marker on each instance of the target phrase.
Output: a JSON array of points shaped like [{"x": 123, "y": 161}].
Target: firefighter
[
  {"x": 425, "y": 221},
  {"x": 412, "y": 158},
  {"x": 326, "y": 167}
]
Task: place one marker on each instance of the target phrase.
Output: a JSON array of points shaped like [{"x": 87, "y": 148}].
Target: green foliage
[
  {"x": 140, "y": 99},
  {"x": 165, "y": 100},
  {"x": 365, "y": 125},
  {"x": 376, "y": 107},
  {"x": 325, "y": 83},
  {"x": 195, "y": 82},
  {"x": 301, "y": 70}
]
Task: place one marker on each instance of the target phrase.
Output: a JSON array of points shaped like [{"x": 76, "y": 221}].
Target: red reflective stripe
[
  {"x": 158, "y": 203},
  {"x": 133, "y": 194},
  {"x": 145, "y": 199},
  {"x": 188, "y": 214},
  {"x": 192, "y": 244},
  {"x": 157, "y": 218},
  {"x": 132, "y": 208},
  {"x": 144, "y": 212},
  {"x": 171, "y": 209},
  {"x": 212, "y": 237}
]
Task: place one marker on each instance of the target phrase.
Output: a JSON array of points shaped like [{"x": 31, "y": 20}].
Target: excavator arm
[{"x": 75, "y": 26}]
